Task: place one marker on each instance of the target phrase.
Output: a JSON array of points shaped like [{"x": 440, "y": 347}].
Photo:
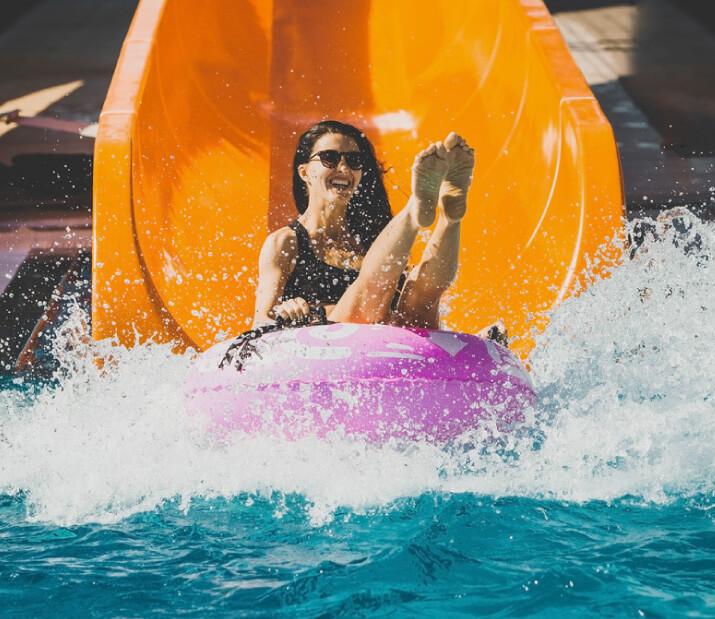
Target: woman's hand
[{"x": 292, "y": 310}]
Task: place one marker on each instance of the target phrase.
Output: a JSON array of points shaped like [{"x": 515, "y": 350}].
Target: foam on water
[{"x": 625, "y": 410}]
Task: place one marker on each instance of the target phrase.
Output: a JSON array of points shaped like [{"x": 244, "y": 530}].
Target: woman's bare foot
[
  {"x": 454, "y": 189},
  {"x": 428, "y": 174}
]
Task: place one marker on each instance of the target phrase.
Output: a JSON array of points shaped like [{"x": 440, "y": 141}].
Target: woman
[{"x": 346, "y": 251}]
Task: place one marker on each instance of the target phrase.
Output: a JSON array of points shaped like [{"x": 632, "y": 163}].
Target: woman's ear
[{"x": 303, "y": 172}]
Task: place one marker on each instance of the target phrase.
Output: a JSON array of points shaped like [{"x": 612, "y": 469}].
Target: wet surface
[
  {"x": 650, "y": 65},
  {"x": 57, "y": 62}
]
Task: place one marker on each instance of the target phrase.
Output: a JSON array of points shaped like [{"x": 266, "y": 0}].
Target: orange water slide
[{"x": 195, "y": 142}]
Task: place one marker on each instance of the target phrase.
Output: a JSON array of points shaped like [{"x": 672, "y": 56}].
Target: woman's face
[{"x": 334, "y": 185}]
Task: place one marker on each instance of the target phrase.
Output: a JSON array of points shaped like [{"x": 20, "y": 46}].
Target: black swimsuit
[
  {"x": 317, "y": 281},
  {"x": 312, "y": 279}
]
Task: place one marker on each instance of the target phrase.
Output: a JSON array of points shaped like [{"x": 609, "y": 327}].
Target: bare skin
[
  {"x": 431, "y": 278},
  {"x": 441, "y": 178},
  {"x": 369, "y": 298}
]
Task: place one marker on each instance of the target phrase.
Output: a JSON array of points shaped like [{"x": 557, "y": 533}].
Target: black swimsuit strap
[
  {"x": 300, "y": 231},
  {"x": 305, "y": 247}
]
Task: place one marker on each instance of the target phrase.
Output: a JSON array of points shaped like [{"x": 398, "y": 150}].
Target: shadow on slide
[{"x": 196, "y": 138}]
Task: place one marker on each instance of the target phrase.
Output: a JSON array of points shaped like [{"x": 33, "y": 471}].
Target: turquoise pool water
[{"x": 114, "y": 503}]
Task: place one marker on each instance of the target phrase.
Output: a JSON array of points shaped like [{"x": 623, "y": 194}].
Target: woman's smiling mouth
[{"x": 341, "y": 183}]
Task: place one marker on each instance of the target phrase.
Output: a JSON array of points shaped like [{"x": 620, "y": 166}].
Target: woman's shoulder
[
  {"x": 281, "y": 243},
  {"x": 286, "y": 234},
  {"x": 282, "y": 237}
]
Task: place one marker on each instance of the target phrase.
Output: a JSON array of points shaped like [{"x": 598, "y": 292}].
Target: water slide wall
[{"x": 196, "y": 138}]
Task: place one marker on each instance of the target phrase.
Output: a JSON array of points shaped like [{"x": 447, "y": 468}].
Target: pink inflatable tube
[{"x": 375, "y": 381}]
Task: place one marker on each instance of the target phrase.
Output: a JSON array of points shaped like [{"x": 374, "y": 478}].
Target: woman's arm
[{"x": 275, "y": 264}]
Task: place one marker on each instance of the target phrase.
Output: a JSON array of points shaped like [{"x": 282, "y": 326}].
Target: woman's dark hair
[{"x": 368, "y": 209}]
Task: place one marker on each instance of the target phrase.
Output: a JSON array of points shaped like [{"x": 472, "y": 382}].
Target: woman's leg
[
  {"x": 432, "y": 277},
  {"x": 369, "y": 298}
]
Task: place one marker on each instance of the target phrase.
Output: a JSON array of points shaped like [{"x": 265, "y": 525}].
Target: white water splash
[
  {"x": 626, "y": 409},
  {"x": 624, "y": 376}
]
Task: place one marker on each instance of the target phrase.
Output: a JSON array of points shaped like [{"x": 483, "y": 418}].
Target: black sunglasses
[{"x": 331, "y": 158}]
